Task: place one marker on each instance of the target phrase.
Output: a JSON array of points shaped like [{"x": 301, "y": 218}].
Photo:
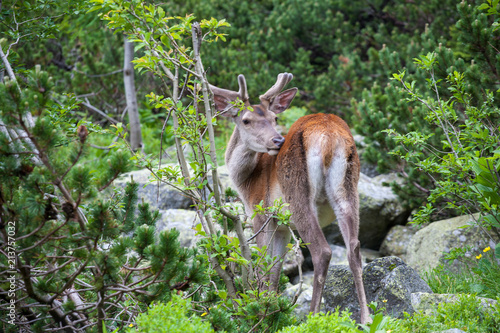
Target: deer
[{"x": 315, "y": 169}]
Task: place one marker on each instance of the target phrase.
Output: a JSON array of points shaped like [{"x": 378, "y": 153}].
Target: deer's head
[{"x": 256, "y": 123}]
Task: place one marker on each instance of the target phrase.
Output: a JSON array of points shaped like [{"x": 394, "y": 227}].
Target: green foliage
[
  {"x": 472, "y": 40},
  {"x": 468, "y": 145},
  {"x": 464, "y": 164},
  {"x": 325, "y": 323},
  {"x": 172, "y": 317},
  {"x": 492, "y": 9},
  {"x": 291, "y": 115},
  {"x": 378, "y": 324},
  {"x": 486, "y": 185},
  {"x": 466, "y": 314},
  {"x": 34, "y": 20},
  {"x": 277, "y": 211},
  {"x": 379, "y": 321},
  {"x": 263, "y": 309},
  {"x": 83, "y": 58},
  {"x": 331, "y": 47},
  {"x": 255, "y": 306},
  {"x": 479, "y": 274},
  {"x": 445, "y": 281},
  {"x": 68, "y": 235}
]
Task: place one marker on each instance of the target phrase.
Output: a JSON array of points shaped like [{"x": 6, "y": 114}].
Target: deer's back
[{"x": 316, "y": 146}]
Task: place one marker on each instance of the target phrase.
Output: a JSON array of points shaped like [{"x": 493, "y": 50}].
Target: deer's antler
[{"x": 282, "y": 80}]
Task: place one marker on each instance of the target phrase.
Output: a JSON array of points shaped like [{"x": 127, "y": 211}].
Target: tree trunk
[{"x": 130, "y": 94}]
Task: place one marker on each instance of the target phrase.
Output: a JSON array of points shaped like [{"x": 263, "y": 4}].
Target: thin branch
[
  {"x": 99, "y": 75},
  {"x": 261, "y": 228},
  {"x": 117, "y": 173},
  {"x": 137, "y": 269},
  {"x": 296, "y": 249},
  {"x": 99, "y": 112}
]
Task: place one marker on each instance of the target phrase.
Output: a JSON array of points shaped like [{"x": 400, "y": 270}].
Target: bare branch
[{"x": 99, "y": 112}]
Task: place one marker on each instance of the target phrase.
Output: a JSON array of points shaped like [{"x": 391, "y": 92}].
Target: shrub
[
  {"x": 465, "y": 314},
  {"x": 172, "y": 317},
  {"x": 324, "y": 323},
  {"x": 70, "y": 245},
  {"x": 464, "y": 165}
]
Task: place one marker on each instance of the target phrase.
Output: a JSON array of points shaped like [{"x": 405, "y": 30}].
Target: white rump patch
[
  {"x": 336, "y": 177},
  {"x": 315, "y": 169}
]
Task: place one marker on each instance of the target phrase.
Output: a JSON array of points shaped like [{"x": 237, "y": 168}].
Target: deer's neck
[
  {"x": 241, "y": 161},
  {"x": 253, "y": 174}
]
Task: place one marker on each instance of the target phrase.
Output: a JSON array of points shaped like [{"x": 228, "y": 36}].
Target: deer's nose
[{"x": 278, "y": 141}]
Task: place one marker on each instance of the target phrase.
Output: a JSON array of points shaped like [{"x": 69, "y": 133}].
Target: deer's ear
[
  {"x": 222, "y": 103},
  {"x": 281, "y": 102}
]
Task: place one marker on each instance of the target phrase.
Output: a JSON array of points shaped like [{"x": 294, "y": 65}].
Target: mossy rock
[
  {"x": 427, "y": 302},
  {"x": 397, "y": 240},
  {"x": 388, "y": 281},
  {"x": 429, "y": 245}
]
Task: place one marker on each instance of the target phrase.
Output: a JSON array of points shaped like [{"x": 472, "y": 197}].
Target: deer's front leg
[{"x": 275, "y": 239}]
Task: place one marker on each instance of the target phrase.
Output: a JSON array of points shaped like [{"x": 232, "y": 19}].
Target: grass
[
  {"x": 478, "y": 275},
  {"x": 465, "y": 314}
]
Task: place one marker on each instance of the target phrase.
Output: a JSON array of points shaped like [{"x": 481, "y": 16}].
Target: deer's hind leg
[
  {"x": 300, "y": 189},
  {"x": 342, "y": 191}
]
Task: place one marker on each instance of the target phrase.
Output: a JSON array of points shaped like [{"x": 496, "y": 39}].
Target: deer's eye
[{"x": 246, "y": 121}]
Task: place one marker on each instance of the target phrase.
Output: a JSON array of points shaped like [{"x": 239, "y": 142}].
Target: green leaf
[
  {"x": 377, "y": 319},
  {"x": 223, "y": 294},
  {"x": 483, "y": 6}
]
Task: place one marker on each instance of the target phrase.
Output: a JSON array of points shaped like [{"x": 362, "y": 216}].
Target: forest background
[{"x": 433, "y": 120}]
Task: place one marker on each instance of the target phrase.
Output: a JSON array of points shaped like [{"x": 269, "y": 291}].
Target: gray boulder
[
  {"x": 339, "y": 255},
  {"x": 397, "y": 240},
  {"x": 159, "y": 195},
  {"x": 429, "y": 245},
  {"x": 388, "y": 281},
  {"x": 379, "y": 211},
  {"x": 182, "y": 220},
  {"x": 303, "y": 301}
]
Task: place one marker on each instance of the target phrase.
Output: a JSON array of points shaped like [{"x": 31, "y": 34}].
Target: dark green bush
[{"x": 171, "y": 317}]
